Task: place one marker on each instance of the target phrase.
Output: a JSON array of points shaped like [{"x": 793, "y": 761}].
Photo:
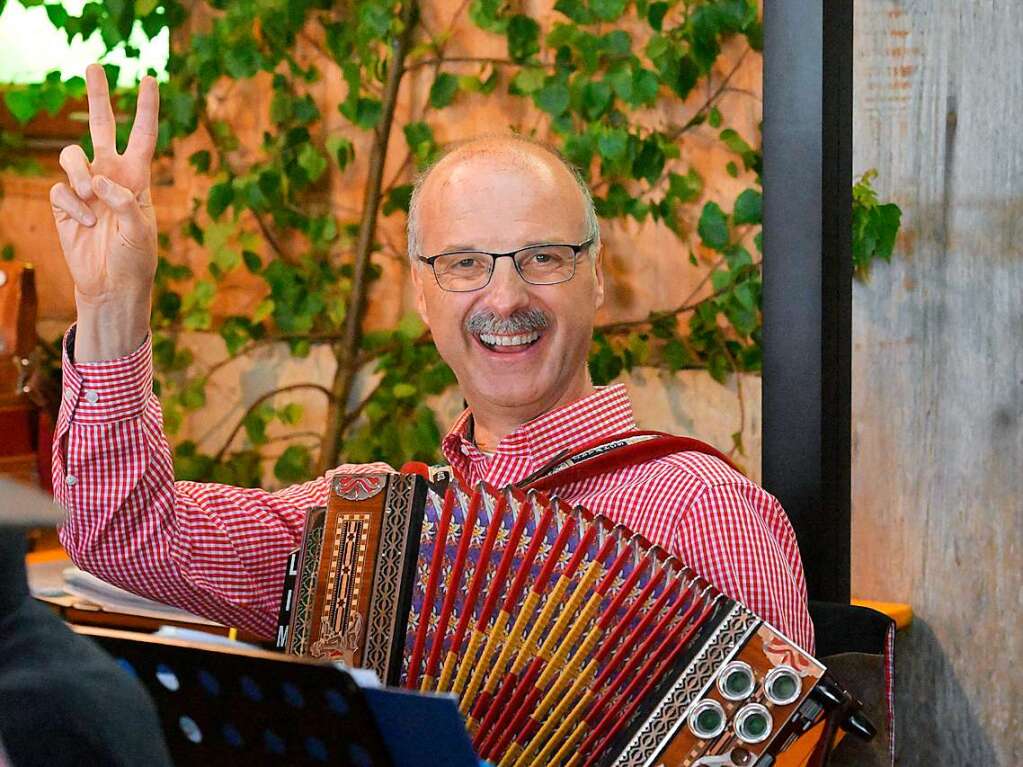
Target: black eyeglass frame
[{"x": 576, "y": 251}]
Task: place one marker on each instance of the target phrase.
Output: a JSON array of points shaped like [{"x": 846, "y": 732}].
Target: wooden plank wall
[{"x": 938, "y": 369}]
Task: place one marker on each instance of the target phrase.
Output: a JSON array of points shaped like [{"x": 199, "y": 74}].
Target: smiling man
[{"x": 505, "y": 257}]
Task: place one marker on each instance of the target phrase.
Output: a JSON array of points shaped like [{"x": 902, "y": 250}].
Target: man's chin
[{"x": 512, "y": 395}]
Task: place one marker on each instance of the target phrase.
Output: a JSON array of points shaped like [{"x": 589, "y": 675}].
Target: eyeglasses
[{"x": 466, "y": 270}]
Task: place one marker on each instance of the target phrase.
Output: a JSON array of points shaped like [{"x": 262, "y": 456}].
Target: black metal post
[{"x": 808, "y": 52}]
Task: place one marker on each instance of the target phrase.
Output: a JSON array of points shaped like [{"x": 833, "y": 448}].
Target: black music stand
[{"x": 228, "y": 706}]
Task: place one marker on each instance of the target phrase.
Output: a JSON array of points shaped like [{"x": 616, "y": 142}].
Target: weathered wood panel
[{"x": 938, "y": 369}]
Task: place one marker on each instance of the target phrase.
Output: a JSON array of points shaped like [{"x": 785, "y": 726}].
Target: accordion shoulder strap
[{"x": 614, "y": 452}]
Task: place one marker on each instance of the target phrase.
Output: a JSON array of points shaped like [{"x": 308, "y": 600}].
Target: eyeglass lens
[{"x": 540, "y": 265}]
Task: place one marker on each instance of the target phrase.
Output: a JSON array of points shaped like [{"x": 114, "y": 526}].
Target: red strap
[{"x": 657, "y": 445}]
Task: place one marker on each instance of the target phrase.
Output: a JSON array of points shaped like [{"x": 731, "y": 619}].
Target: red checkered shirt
[{"x": 219, "y": 550}]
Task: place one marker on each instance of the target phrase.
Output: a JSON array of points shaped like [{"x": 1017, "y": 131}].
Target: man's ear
[
  {"x": 418, "y": 290},
  {"x": 598, "y": 273}
]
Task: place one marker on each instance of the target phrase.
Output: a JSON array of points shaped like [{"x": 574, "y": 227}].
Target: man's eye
[
  {"x": 543, "y": 258},
  {"x": 467, "y": 263}
]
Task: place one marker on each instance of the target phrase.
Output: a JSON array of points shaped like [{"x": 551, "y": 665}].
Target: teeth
[{"x": 519, "y": 340}]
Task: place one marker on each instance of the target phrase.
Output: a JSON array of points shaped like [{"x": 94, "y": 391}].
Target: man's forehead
[
  {"x": 478, "y": 162},
  {"x": 483, "y": 187}
]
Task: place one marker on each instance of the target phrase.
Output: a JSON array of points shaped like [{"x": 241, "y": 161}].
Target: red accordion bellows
[{"x": 567, "y": 639}]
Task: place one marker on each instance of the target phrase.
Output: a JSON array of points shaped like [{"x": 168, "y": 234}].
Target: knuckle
[{"x": 57, "y": 193}]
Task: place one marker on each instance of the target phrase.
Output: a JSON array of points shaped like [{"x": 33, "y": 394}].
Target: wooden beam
[{"x": 808, "y": 279}]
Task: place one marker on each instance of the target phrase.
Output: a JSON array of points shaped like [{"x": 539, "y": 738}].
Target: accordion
[{"x": 567, "y": 639}]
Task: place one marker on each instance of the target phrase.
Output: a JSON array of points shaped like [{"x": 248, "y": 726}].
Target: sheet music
[{"x": 61, "y": 582}]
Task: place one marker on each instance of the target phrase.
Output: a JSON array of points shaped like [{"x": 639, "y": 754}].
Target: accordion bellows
[{"x": 567, "y": 639}]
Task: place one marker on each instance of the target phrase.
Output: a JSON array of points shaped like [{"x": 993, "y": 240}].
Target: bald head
[{"x": 472, "y": 159}]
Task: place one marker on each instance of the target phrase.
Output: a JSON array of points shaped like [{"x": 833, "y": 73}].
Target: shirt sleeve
[
  {"x": 738, "y": 536},
  {"x": 215, "y": 550}
]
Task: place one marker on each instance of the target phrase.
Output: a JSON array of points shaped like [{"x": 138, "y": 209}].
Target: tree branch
[
  {"x": 259, "y": 401},
  {"x": 347, "y": 351},
  {"x": 698, "y": 118},
  {"x": 621, "y": 327},
  {"x": 460, "y": 60}
]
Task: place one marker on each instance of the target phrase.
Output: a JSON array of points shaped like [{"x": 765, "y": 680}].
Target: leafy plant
[{"x": 591, "y": 75}]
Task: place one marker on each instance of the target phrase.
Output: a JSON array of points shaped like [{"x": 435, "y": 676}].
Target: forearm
[
  {"x": 213, "y": 550},
  {"x": 112, "y": 329}
]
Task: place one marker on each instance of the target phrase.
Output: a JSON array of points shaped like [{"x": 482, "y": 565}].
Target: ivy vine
[{"x": 591, "y": 73}]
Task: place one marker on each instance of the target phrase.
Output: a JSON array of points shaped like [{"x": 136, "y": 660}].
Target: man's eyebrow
[{"x": 459, "y": 247}]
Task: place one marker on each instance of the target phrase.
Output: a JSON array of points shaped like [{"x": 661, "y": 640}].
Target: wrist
[{"x": 110, "y": 329}]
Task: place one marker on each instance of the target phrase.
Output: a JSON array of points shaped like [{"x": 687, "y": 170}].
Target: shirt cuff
[{"x": 105, "y": 391}]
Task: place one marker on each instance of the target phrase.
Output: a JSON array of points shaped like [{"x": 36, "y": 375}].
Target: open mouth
[{"x": 506, "y": 344}]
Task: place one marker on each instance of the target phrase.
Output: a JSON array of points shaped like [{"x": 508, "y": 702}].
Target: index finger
[
  {"x": 142, "y": 140},
  {"x": 101, "y": 115}
]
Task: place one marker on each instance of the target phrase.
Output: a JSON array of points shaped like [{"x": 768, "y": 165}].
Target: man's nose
[{"x": 507, "y": 291}]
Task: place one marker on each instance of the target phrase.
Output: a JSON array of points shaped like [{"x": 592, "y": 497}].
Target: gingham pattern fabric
[{"x": 219, "y": 551}]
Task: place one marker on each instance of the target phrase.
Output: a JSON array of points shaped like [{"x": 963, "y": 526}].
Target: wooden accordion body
[{"x": 567, "y": 639}]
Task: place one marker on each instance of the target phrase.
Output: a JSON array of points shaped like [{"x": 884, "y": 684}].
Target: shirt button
[
  {"x": 71, "y": 479},
  {"x": 92, "y": 397},
  {"x": 68, "y": 392}
]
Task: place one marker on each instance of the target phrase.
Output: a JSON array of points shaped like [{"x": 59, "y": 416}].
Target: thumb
[{"x": 130, "y": 220}]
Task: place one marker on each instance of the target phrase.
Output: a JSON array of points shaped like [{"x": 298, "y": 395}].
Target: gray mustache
[{"x": 519, "y": 322}]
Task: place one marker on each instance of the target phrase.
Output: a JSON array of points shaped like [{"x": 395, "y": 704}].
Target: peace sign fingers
[
  {"x": 142, "y": 140},
  {"x": 101, "y": 115}
]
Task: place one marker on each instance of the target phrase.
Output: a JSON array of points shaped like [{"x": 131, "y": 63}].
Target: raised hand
[{"x": 106, "y": 224}]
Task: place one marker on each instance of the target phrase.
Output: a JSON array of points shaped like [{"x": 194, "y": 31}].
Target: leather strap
[{"x": 614, "y": 452}]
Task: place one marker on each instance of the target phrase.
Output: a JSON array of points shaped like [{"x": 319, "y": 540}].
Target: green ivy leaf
[
  {"x": 419, "y": 137},
  {"x": 675, "y": 355},
  {"x": 242, "y": 60},
  {"x": 398, "y": 199},
  {"x": 596, "y": 99},
  {"x": 748, "y": 207},
  {"x": 341, "y": 149},
  {"x": 523, "y": 37},
  {"x": 189, "y": 464},
  {"x": 255, "y": 423},
  {"x": 312, "y": 162},
  {"x": 553, "y": 98},
  {"x": 363, "y": 112},
  {"x": 612, "y": 144},
  {"x": 528, "y": 80},
  {"x": 219, "y": 197},
  {"x": 193, "y": 395},
  {"x": 487, "y": 14},
  {"x": 649, "y": 163},
  {"x": 23, "y": 104},
  {"x": 713, "y": 227},
  {"x": 200, "y": 160},
  {"x": 290, "y": 414},
  {"x": 294, "y": 465},
  {"x": 252, "y": 261},
  {"x": 443, "y": 90},
  {"x": 608, "y": 10},
  {"x": 576, "y": 10},
  {"x": 685, "y": 188},
  {"x": 738, "y": 144},
  {"x": 404, "y": 391},
  {"x": 655, "y": 13}
]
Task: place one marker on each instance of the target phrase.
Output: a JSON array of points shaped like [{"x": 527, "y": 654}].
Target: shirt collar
[{"x": 605, "y": 412}]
